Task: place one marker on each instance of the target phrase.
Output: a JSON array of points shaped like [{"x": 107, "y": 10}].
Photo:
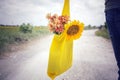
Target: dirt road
[{"x": 93, "y": 60}]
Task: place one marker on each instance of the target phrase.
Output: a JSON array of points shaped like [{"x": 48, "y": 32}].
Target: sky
[{"x": 16, "y": 12}]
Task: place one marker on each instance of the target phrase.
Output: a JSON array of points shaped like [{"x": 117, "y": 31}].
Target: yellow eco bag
[{"x": 60, "y": 56}]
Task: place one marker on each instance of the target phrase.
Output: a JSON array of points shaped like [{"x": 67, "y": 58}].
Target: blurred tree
[
  {"x": 105, "y": 25},
  {"x": 26, "y": 28},
  {"x": 89, "y": 26}
]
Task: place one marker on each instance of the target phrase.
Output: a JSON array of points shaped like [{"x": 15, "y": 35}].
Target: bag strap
[{"x": 66, "y": 8}]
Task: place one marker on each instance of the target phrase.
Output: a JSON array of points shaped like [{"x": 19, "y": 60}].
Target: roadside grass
[
  {"x": 12, "y": 35},
  {"x": 103, "y": 33}
]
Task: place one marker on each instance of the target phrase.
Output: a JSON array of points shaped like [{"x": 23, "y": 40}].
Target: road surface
[{"x": 93, "y": 59}]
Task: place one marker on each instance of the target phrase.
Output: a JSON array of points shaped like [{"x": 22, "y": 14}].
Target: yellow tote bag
[{"x": 60, "y": 56}]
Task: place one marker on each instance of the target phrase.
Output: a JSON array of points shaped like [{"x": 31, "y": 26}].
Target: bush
[
  {"x": 103, "y": 33},
  {"x": 26, "y": 28}
]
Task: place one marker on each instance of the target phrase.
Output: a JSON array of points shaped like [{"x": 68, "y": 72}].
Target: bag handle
[{"x": 66, "y": 8}]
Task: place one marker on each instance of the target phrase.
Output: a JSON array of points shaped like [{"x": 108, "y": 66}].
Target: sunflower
[{"x": 73, "y": 30}]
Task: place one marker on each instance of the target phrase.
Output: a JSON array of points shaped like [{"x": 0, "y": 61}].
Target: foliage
[
  {"x": 103, "y": 31},
  {"x": 12, "y": 35},
  {"x": 105, "y": 24},
  {"x": 26, "y": 28},
  {"x": 89, "y": 27}
]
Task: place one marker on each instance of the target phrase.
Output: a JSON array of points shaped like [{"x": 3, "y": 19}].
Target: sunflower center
[{"x": 73, "y": 30}]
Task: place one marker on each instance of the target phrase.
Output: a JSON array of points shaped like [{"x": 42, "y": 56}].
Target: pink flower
[{"x": 56, "y": 23}]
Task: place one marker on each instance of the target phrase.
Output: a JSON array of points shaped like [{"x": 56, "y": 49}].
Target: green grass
[
  {"x": 103, "y": 33},
  {"x": 12, "y": 35}
]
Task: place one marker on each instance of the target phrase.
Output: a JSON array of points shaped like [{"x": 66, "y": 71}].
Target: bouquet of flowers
[
  {"x": 62, "y": 24},
  {"x": 56, "y": 23}
]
